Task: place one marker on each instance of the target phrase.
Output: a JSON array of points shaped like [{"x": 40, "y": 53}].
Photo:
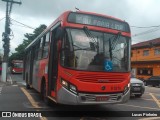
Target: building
[{"x": 145, "y": 59}]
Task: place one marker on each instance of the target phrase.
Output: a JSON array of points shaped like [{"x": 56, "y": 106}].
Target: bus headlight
[
  {"x": 129, "y": 84},
  {"x": 69, "y": 86},
  {"x": 64, "y": 83}
]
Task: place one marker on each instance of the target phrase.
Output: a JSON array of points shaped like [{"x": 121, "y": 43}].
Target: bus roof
[
  {"x": 102, "y": 15},
  {"x": 63, "y": 20}
]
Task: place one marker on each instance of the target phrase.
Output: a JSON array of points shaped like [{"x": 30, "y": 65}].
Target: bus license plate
[{"x": 102, "y": 98}]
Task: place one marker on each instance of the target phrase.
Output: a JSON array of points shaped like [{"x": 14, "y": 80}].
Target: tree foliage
[{"x": 19, "y": 54}]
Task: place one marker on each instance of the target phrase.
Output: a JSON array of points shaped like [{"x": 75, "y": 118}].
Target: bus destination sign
[{"x": 94, "y": 20}]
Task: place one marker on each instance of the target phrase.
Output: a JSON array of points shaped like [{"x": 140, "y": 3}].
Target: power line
[
  {"x": 146, "y": 32},
  {"x": 145, "y": 27},
  {"x": 154, "y": 29},
  {"x": 2, "y": 18},
  {"x": 22, "y": 24}
]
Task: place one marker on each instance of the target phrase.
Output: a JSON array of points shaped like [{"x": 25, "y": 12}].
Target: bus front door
[{"x": 52, "y": 65}]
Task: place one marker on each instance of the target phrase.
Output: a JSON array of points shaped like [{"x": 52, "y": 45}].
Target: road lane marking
[
  {"x": 30, "y": 98},
  {"x": 146, "y": 99},
  {"x": 150, "y": 87},
  {"x": 153, "y": 93},
  {"x": 150, "y": 118},
  {"x": 139, "y": 106},
  {"x": 155, "y": 99},
  {"x": 32, "y": 101}
]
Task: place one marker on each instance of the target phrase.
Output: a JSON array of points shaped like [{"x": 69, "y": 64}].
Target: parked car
[
  {"x": 137, "y": 87},
  {"x": 153, "y": 81}
]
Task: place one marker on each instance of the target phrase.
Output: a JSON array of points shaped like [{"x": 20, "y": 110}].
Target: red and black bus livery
[{"x": 82, "y": 58}]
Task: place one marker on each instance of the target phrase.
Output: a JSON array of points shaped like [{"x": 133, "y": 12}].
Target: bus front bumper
[{"x": 66, "y": 97}]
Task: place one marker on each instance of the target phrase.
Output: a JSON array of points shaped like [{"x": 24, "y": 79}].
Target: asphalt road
[{"x": 14, "y": 97}]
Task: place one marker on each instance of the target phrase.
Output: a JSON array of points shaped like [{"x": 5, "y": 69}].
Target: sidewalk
[
  {"x": 12, "y": 97},
  {"x": 8, "y": 82}
]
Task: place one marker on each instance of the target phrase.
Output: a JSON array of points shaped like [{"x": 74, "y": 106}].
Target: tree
[{"x": 19, "y": 54}]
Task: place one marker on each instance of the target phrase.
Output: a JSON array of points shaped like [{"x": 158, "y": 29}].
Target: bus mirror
[{"x": 59, "y": 33}]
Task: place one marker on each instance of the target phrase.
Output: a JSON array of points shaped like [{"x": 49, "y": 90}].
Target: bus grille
[
  {"x": 91, "y": 97},
  {"x": 100, "y": 78}
]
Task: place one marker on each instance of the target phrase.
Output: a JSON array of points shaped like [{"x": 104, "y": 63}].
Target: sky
[{"x": 139, "y": 13}]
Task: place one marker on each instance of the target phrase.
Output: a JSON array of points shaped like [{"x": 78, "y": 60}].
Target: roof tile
[{"x": 147, "y": 43}]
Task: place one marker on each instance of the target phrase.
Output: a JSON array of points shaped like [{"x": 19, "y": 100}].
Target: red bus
[
  {"x": 16, "y": 66},
  {"x": 81, "y": 58}
]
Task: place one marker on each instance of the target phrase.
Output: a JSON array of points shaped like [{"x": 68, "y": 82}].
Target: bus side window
[
  {"x": 40, "y": 48},
  {"x": 36, "y": 50},
  {"x": 46, "y": 46}
]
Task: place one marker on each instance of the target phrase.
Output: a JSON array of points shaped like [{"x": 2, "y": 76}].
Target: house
[{"x": 145, "y": 59}]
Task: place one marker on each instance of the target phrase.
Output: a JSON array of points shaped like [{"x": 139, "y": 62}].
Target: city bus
[
  {"x": 82, "y": 58},
  {"x": 16, "y": 66}
]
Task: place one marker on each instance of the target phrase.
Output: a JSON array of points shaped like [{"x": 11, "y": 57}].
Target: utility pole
[{"x": 6, "y": 38}]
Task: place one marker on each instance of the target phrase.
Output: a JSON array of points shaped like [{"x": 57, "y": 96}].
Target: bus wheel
[
  {"x": 27, "y": 86},
  {"x": 44, "y": 94}
]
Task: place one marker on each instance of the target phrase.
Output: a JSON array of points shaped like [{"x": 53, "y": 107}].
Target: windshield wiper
[
  {"x": 91, "y": 36},
  {"x": 113, "y": 43}
]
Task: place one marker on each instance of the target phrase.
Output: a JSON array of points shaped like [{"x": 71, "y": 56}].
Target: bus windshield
[
  {"x": 95, "y": 51},
  {"x": 18, "y": 65}
]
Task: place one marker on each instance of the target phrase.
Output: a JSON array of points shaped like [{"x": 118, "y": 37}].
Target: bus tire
[
  {"x": 27, "y": 86},
  {"x": 44, "y": 94}
]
